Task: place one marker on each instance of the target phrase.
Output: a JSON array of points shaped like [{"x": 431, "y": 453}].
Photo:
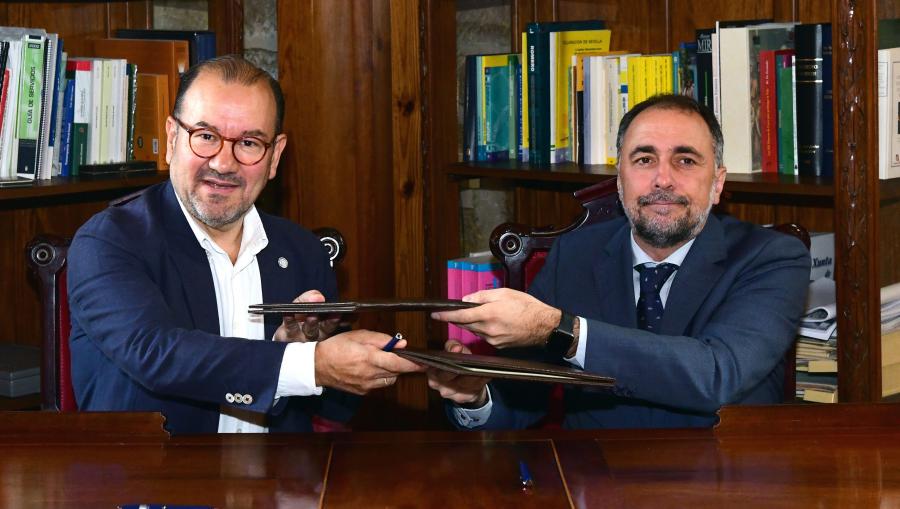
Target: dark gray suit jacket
[
  {"x": 145, "y": 327},
  {"x": 730, "y": 316}
]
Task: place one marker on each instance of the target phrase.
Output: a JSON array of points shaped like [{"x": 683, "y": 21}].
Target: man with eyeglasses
[{"x": 160, "y": 282}]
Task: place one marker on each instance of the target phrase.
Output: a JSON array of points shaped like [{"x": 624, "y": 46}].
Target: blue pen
[
  {"x": 393, "y": 342},
  {"x": 525, "y": 475}
]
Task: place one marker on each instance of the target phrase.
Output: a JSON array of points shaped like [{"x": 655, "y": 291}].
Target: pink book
[
  {"x": 479, "y": 273},
  {"x": 454, "y": 291}
]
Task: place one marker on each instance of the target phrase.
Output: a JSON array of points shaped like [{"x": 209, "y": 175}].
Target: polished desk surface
[{"x": 779, "y": 456}]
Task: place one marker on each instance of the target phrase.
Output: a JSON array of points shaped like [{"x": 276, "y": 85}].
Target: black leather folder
[
  {"x": 490, "y": 366},
  {"x": 360, "y": 306}
]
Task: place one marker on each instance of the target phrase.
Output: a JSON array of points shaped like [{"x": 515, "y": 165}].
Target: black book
[
  {"x": 201, "y": 43},
  {"x": 470, "y": 109},
  {"x": 704, "y": 67},
  {"x": 815, "y": 132}
]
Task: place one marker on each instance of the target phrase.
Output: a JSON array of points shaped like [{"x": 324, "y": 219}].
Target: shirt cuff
[
  {"x": 578, "y": 359},
  {"x": 298, "y": 371},
  {"x": 473, "y": 417}
]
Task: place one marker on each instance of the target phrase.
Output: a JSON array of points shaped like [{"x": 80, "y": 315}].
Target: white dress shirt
[
  {"x": 472, "y": 417},
  {"x": 237, "y": 286}
]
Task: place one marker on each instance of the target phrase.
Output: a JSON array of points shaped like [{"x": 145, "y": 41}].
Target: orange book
[
  {"x": 151, "y": 56},
  {"x": 150, "y": 115}
]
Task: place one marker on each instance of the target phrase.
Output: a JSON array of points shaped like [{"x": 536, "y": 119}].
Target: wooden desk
[{"x": 786, "y": 456}]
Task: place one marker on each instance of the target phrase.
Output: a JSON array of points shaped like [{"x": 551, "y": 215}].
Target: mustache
[
  {"x": 661, "y": 195},
  {"x": 230, "y": 178}
]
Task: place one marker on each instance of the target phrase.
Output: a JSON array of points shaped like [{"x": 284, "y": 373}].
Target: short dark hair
[
  {"x": 680, "y": 103},
  {"x": 232, "y": 68}
]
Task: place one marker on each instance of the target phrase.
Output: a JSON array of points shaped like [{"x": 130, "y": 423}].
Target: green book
[
  {"x": 787, "y": 130},
  {"x": 28, "y": 122},
  {"x": 80, "y": 70}
]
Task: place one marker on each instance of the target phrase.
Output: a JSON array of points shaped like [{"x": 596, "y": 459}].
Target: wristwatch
[{"x": 562, "y": 337}]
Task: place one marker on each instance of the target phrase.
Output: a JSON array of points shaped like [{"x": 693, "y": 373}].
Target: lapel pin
[{"x": 282, "y": 262}]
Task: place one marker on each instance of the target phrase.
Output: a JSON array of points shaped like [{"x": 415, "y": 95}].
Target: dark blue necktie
[{"x": 649, "y": 305}]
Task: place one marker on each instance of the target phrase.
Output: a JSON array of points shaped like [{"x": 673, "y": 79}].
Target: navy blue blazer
[
  {"x": 731, "y": 314},
  {"x": 145, "y": 327}
]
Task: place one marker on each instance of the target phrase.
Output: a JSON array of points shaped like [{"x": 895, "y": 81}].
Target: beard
[
  {"x": 213, "y": 212},
  {"x": 661, "y": 232}
]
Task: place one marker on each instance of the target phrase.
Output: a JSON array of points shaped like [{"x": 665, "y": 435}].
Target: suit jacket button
[
  {"x": 238, "y": 398},
  {"x": 229, "y": 397},
  {"x": 247, "y": 399}
]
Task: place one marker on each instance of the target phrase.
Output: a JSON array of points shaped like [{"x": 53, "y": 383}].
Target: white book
[
  {"x": 45, "y": 148},
  {"x": 739, "y": 99},
  {"x": 888, "y": 120},
  {"x": 595, "y": 149},
  {"x": 117, "y": 101},
  {"x": 613, "y": 108},
  {"x": 106, "y": 113},
  {"x": 94, "y": 128}
]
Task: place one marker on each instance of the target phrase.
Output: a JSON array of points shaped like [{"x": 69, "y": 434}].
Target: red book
[
  {"x": 768, "y": 111},
  {"x": 3, "y": 89}
]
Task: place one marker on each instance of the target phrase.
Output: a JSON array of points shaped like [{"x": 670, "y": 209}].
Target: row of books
[
  {"x": 524, "y": 106},
  {"x": 769, "y": 84},
  {"x": 60, "y": 113},
  {"x": 467, "y": 275},
  {"x": 817, "y": 366}
]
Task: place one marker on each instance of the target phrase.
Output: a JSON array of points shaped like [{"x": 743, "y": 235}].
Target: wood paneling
[
  {"x": 407, "y": 101},
  {"x": 43, "y": 211},
  {"x": 337, "y": 167},
  {"x": 857, "y": 202},
  {"x": 226, "y": 18},
  {"x": 78, "y": 21},
  {"x": 20, "y": 221}
]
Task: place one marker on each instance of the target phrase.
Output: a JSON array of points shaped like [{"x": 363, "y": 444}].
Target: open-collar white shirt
[{"x": 237, "y": 286}]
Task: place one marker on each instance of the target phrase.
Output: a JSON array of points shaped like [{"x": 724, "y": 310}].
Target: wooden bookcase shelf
[
  {"x": 570, "y": 173},
  {"x": 863, "y": 211},
  {"x": 75, "y": 187}
]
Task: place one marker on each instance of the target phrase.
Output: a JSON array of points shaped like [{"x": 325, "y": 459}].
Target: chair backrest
[
  {"x": 46, "y": 258},
  {"x": 522, "y": 249}
]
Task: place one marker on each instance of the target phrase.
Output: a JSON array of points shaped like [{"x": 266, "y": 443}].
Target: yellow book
[
  {"x": 890, "y": 348},
  {"x": 823, "y": 366},
  {"x": 820, "y": 396},
  {"x": 523, "y": 153},
  {"x": 890, "y": 363},
  {"x": 637, "y": 88},
  {"x": 563, "y": 46},
  {"x": 890, "y": 380}
]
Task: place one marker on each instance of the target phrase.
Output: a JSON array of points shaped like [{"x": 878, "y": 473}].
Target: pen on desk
[
  {"x": 525, "y": 475},
  {"x": 393, "y": 342}
]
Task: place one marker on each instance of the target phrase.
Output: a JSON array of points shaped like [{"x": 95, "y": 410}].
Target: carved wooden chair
[
  {"x": 522, "y": 251},
  {"x": 46, "y": 258}
]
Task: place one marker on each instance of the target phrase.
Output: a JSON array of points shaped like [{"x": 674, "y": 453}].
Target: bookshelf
[
  {"x": 863, "y": 211},
  {"x": 60, "y": 205},
  {"x": 370, "y": 92}
]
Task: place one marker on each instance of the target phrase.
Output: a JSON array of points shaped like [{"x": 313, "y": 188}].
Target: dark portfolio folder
[
  {"x": 360, "y": 306},
  {"x": 487, "y": 366}
]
